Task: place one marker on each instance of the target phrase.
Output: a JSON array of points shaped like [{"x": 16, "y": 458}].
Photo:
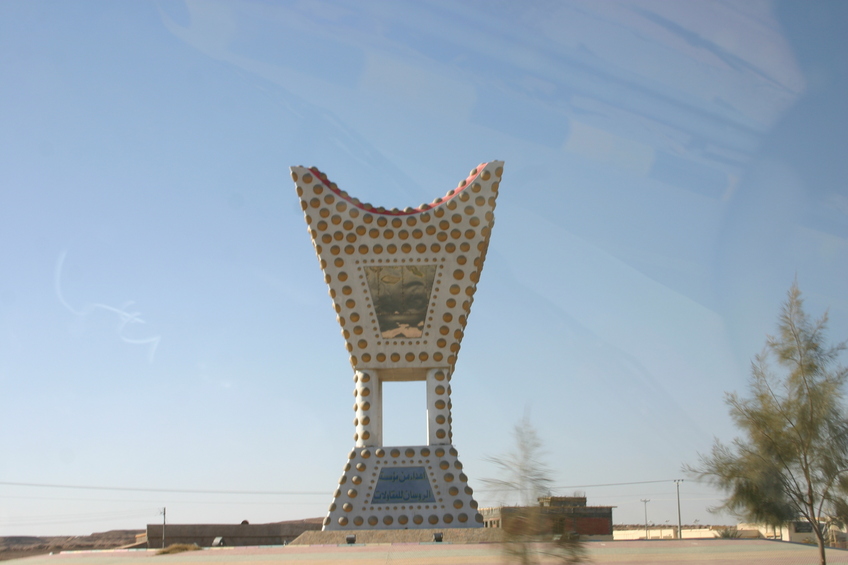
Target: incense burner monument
[{"x": 402, "y": 284}]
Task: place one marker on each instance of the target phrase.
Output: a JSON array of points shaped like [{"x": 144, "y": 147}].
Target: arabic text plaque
[{"x": 403, "y": 485}]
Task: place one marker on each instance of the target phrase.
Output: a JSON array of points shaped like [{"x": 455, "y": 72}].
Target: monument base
[{"x": 397, "y": 488}]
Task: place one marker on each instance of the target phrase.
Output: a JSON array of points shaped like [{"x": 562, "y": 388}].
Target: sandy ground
[{"x": 700, "y": 552}]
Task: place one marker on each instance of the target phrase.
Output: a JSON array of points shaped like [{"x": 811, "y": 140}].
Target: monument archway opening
[{"x": 404, "y": 413}]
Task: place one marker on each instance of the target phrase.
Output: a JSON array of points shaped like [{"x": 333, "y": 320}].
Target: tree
[
  {"x": 526, "y": 477},
  {"x": 792, "y": 461}
]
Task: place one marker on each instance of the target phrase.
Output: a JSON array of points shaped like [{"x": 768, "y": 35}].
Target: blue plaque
[{"x": 403, "y": 485}]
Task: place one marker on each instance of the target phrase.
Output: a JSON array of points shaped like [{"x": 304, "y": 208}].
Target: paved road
[{"x": 700, "y": 552}]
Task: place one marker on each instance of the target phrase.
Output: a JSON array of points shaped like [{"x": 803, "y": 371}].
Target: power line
[
  {"x": 169, "y": 500},
  {"x": 598, "y": 485},
  {"x": 73, "y": 518},
  {"x": 616, "y": 484},
  {"x": 181, "y": 491},
  {"x": 270, "y": 493}
]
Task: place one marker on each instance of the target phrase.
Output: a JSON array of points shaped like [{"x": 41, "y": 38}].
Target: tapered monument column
[{"x": 402, "y": 284}]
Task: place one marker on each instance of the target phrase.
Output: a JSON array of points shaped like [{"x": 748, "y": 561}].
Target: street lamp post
[
  {"x": 646, "y": 501},
  {"x": 679, "y": 521},
  {"x": 164, "y": 510}
]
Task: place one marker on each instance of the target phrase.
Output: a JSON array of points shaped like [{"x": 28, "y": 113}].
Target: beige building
[{"x": 800, "y": 531}]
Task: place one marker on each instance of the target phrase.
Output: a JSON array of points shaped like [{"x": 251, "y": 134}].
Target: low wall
[
  {"x": 232, "y": 534},
  {"x": 670, "y": 532}
]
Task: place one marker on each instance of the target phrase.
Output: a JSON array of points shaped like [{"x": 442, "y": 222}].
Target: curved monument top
[
  {"x": 401, "y": 281},
  {"x": 367, "y": 207}
]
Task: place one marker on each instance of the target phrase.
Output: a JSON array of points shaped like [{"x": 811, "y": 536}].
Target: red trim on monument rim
[{"x": 395, "y": 212}]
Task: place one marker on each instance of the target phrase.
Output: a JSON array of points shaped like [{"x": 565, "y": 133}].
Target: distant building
[
  {"x": 558, "y": 514},
  {"x": 799, "y": 531}
]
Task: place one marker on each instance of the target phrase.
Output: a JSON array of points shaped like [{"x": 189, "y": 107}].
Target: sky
[{"x": 166, "y": 337}]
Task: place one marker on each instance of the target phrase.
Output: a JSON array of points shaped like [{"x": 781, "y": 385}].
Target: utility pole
[
  {"x": 679, "y": 521},
  {"x": 646, "y": 501},
  {"x": 163, "y": 527}
]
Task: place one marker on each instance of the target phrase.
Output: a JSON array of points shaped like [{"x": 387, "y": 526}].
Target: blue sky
[{"x": 670, "y": 169}]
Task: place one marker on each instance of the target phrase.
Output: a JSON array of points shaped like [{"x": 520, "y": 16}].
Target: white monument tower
[{"x": 402, "y": 284}]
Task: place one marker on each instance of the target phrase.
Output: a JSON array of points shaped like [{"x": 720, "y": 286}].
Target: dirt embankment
[{"x": 16, "y": 547}]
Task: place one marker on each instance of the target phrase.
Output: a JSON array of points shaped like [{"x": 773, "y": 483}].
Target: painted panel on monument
[
  {"x": 402, "y": 485},
  {"x": 401, "y": 295}
]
